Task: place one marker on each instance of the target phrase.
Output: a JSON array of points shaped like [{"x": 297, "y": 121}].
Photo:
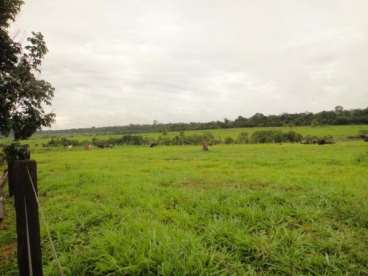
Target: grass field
[{"x": 176, "y": 210}]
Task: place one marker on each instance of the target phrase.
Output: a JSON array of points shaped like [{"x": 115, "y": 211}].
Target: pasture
[
  {"x": 340, "y": 133},
  {"x": 176, "y": 210}
]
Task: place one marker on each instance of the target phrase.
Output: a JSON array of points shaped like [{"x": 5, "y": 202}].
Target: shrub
[
  {"x": 326, "y": 140},
  {"x": 194, "y": 139},
  {"x": 243, "y": 138},
  {"x": 309, "y": 139},
  {"x": 263, "y": 136},
  {"x": 318, "y": 140},
  {"x": 132, "y": 140},
  {"x": 229, "y": 140},
  {"x": 293, "y": 137},
  {"x": 276, "y": 136},
  {"x": 164, "y": 140},
  {"x": 61, "y": 142}
]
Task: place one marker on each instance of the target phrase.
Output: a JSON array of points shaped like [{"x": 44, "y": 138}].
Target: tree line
[{"x": 338, "y": 116}]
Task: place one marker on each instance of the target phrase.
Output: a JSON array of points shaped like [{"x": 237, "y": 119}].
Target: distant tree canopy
[
  {"x": 22, "y": 94},
  {"x": 338, "y": 116}
]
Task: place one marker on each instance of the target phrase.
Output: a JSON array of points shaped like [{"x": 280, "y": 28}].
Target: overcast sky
[{"x": 116, "y": 62}]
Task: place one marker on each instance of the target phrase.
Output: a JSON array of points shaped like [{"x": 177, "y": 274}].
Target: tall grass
[{"x": 235, "y": 210}]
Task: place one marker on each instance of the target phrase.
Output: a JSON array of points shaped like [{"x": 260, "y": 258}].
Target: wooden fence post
[
  {"x": 15, "y": 152},
  {"x": 28, "y": 225}
]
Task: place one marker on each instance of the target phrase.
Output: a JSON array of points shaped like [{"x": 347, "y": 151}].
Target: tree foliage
[
  {"x": 22, "y": 94},
  {"x": 332, "y": 117}
]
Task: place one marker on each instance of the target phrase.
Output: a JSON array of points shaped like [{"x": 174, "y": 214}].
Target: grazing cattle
[
  {"x": 88, "y": 147},
  {"x": 205, "y": 146},
  {"x": 152, "y": 145},
  {"x": 365, "y": 138},
  {"x": 321, "y": 142},
  {"x": 70, "y": 147},
  {"x": 325, "y": 141},
  {"x": 104, "y": 146}
]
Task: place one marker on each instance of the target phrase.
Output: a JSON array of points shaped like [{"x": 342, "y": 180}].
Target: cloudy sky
[{"x": 116, "y": 62}]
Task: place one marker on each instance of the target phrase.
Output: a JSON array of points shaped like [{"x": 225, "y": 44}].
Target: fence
[
  {"x": 23, "y": 183},
  {"x": 22, "y": 179}
]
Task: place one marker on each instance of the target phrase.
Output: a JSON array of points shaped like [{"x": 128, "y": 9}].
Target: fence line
[{"x": 53, "y": 249}]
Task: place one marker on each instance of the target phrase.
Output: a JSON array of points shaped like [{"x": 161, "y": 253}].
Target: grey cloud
[{"x": 121, "y": 62}]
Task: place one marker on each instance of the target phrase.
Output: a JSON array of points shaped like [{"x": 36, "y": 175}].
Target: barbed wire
[{"x": 53, "y": 249}]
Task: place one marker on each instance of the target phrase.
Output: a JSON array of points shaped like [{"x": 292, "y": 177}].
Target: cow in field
[{"x": 88, "y": 147}]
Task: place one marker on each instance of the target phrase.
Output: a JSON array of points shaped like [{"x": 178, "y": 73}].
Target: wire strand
[{"x": 53, "y": 249}]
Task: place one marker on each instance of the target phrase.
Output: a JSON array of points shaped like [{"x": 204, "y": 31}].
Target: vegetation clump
[
  {"x": 338, "y": 116},
  {"x": 275, "y": 136},
  {"x": 181, "y": 139},
  {"x": 318, "y": 140},
  {"x": 23, "y": 95},
  {"x": 63, "y": 141},
  {"x": 243, "y": 138}
]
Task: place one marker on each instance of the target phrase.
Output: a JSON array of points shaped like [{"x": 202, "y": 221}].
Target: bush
[
  {"x": 229, "y": 140},
  {"x": 276, "y": 136},
  {"x": 209, "y": 138},
  {"x": 293, "y": 137},
  {"x": 183, "y": 139},
  {"x": 263, "y": 136},
  {"x": 309, "y": 139},
  {"x": 243, "y": 138},
  {"x": 318, "y": 140},
  {"x": 61, "y": 142},
  {"x": 326, "y": 140},
  {"x": 132, "y": 140},
  {"x": 164, "y": 140}
]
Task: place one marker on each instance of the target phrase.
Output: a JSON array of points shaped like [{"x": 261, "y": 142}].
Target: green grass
[
  {"x": 235, "y": 210},
  {"x": 339, "y": 132}
]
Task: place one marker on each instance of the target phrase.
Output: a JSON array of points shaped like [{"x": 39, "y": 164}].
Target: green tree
[
  {"x": 315, "y": 123},
  {"x": 339, "y": 109},
  {"x": 22, "y": 94}
]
